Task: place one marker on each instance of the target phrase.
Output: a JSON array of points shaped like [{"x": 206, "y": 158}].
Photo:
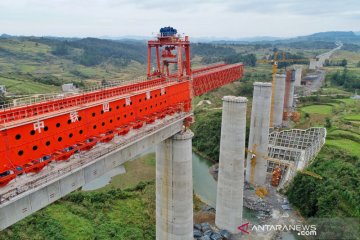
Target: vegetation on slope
[
  {"x": 113, "y": 214},
  {"x": 345, "y": 78},
  {"x": 207, "y": 130},
  {"x": 337, "y": 194},
  {"x": 122, "y": 210}
]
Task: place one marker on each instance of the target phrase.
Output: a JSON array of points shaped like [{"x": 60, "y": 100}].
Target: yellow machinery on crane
[
  {"x": 275, "y": 62},
  {"x": 262, "y": 191}
]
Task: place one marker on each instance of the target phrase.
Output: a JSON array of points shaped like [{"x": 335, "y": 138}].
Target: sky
[{"x": 227, "y": 19}]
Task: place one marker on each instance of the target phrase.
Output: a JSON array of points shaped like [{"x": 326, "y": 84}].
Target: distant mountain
[
  {"x": 5, "y": 36},
  {"x": 126, "y": 37},
  {"x": 331, "y": 36}
]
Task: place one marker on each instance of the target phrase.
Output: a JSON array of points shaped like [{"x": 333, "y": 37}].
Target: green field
[
  {"x": 141, "y": 169},
  {"x": 317, "y": 109},
  {"x": 349, "y": 101},
  {"x": 347, "y": 134},
  {"x": 352, "y": 147},
  {"x": 352, "y": 117},
  {"x": 26, "y": 87},
  {"x": 333, "y": 90}
]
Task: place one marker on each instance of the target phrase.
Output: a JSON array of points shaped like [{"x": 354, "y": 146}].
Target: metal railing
[
  {"x": 57, "y": 96},
  {"x": 86, "y": 158},
  {"x": 80, "y": 100}
]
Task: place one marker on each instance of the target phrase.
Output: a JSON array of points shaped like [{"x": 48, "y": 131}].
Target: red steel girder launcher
[{"x": 33, "y": 135}]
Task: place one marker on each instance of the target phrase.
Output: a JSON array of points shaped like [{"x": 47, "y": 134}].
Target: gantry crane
[
  {"x": 52, "y": 130},
  {"x": 275, "y": 62}
]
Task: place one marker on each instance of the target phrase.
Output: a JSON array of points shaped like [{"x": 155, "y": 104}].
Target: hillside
[
  {"x": 39, "y": 65},
  {"x": 31, "y": 65}
]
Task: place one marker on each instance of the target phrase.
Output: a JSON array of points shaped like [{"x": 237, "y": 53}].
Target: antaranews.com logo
[
  {"x": 302, "y": 230},
  {"x": 313, "y": 228}
]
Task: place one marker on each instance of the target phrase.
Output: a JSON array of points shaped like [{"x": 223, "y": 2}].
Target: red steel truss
[
  {"x": 33, "y": 135},
  {"x": 206, "y": 81}
]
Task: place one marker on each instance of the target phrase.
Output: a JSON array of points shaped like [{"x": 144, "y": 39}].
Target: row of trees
[
  {"x": 346, "y": 79},
  {"x": 247, "y": 59},
  {"x": 342, "y": 63},
  {"x": 97, "y": 51}
]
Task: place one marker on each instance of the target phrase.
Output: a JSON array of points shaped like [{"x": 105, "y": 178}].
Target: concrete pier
[
  {"x": 278, "y": 107},
  {"x": 298, "y": 73},
  {"x": 174, "y": 188},
  {"x": 287, "y": 108},
  {"x": 292, "y": 90},
  {"x": 229, "y": 201},
  {"x": 259, "y": 134},
  {"x": 313, "y": 64}
]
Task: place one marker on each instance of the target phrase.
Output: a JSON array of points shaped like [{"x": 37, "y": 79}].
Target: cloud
[
  {"x": 222, "y": 18},
  {"x": 299, "y": 7}
]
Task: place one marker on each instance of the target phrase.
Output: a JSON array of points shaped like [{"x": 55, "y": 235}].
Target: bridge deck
[{"x": 28, "y": 183}]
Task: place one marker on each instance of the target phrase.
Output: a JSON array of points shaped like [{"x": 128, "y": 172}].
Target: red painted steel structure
[{"x": 32, "y": 136}]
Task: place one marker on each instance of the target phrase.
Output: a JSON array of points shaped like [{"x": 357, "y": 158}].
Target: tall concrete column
[
  {"x": 287, "y": 92},
  {"x": 278, "y": 107},
  {"x": 313, "y": 64},
  {"x": 298, "y": 72},
  {"x": 174, "y": 188},
  {"x": 229, "y": 201},
  {"x": 319, "y": 63},
  {"x": 259, "y": 134},
  {"x": 292, "y": 90}
]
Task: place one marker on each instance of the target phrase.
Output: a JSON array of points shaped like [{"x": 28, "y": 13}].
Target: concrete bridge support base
[
  {"x": 259, "y": 134},
  {"x": 174, "y": 191},
  {"x": 229, "y": 201}
]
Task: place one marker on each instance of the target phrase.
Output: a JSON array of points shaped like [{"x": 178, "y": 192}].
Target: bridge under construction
[{"x": 52, "y": 146}]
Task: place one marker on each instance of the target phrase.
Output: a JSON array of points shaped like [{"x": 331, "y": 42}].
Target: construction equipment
[
  {"x": 276, "y": 59},
  {"x": 276, "y": 176},
  {"x": 261, "y": 191},
  {"x": 295, "y": 116},
  {"x": 281, "y": 163},
  {"x": 61, "y": 126}
]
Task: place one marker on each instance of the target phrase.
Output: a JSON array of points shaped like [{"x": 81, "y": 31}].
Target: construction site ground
[{"x": 273, "y": 209}]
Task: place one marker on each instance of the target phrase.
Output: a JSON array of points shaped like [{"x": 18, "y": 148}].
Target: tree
[
  {"x": 61, "y": 49},
  {"x": 2, "y": 98},
  {"x": 248, "y": 59},
  {"x": 343, "y": 63},
  {"x": 358, "y": 64},
  {"x": 336, "y": 78},
  {"x": 327, "y": 122}
]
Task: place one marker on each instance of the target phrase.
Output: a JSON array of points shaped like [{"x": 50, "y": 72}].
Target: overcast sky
[{"x": 196, "y": 18}]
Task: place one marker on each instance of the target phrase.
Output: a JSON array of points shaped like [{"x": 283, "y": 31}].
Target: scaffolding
[{"x": 293, "y": 150}]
